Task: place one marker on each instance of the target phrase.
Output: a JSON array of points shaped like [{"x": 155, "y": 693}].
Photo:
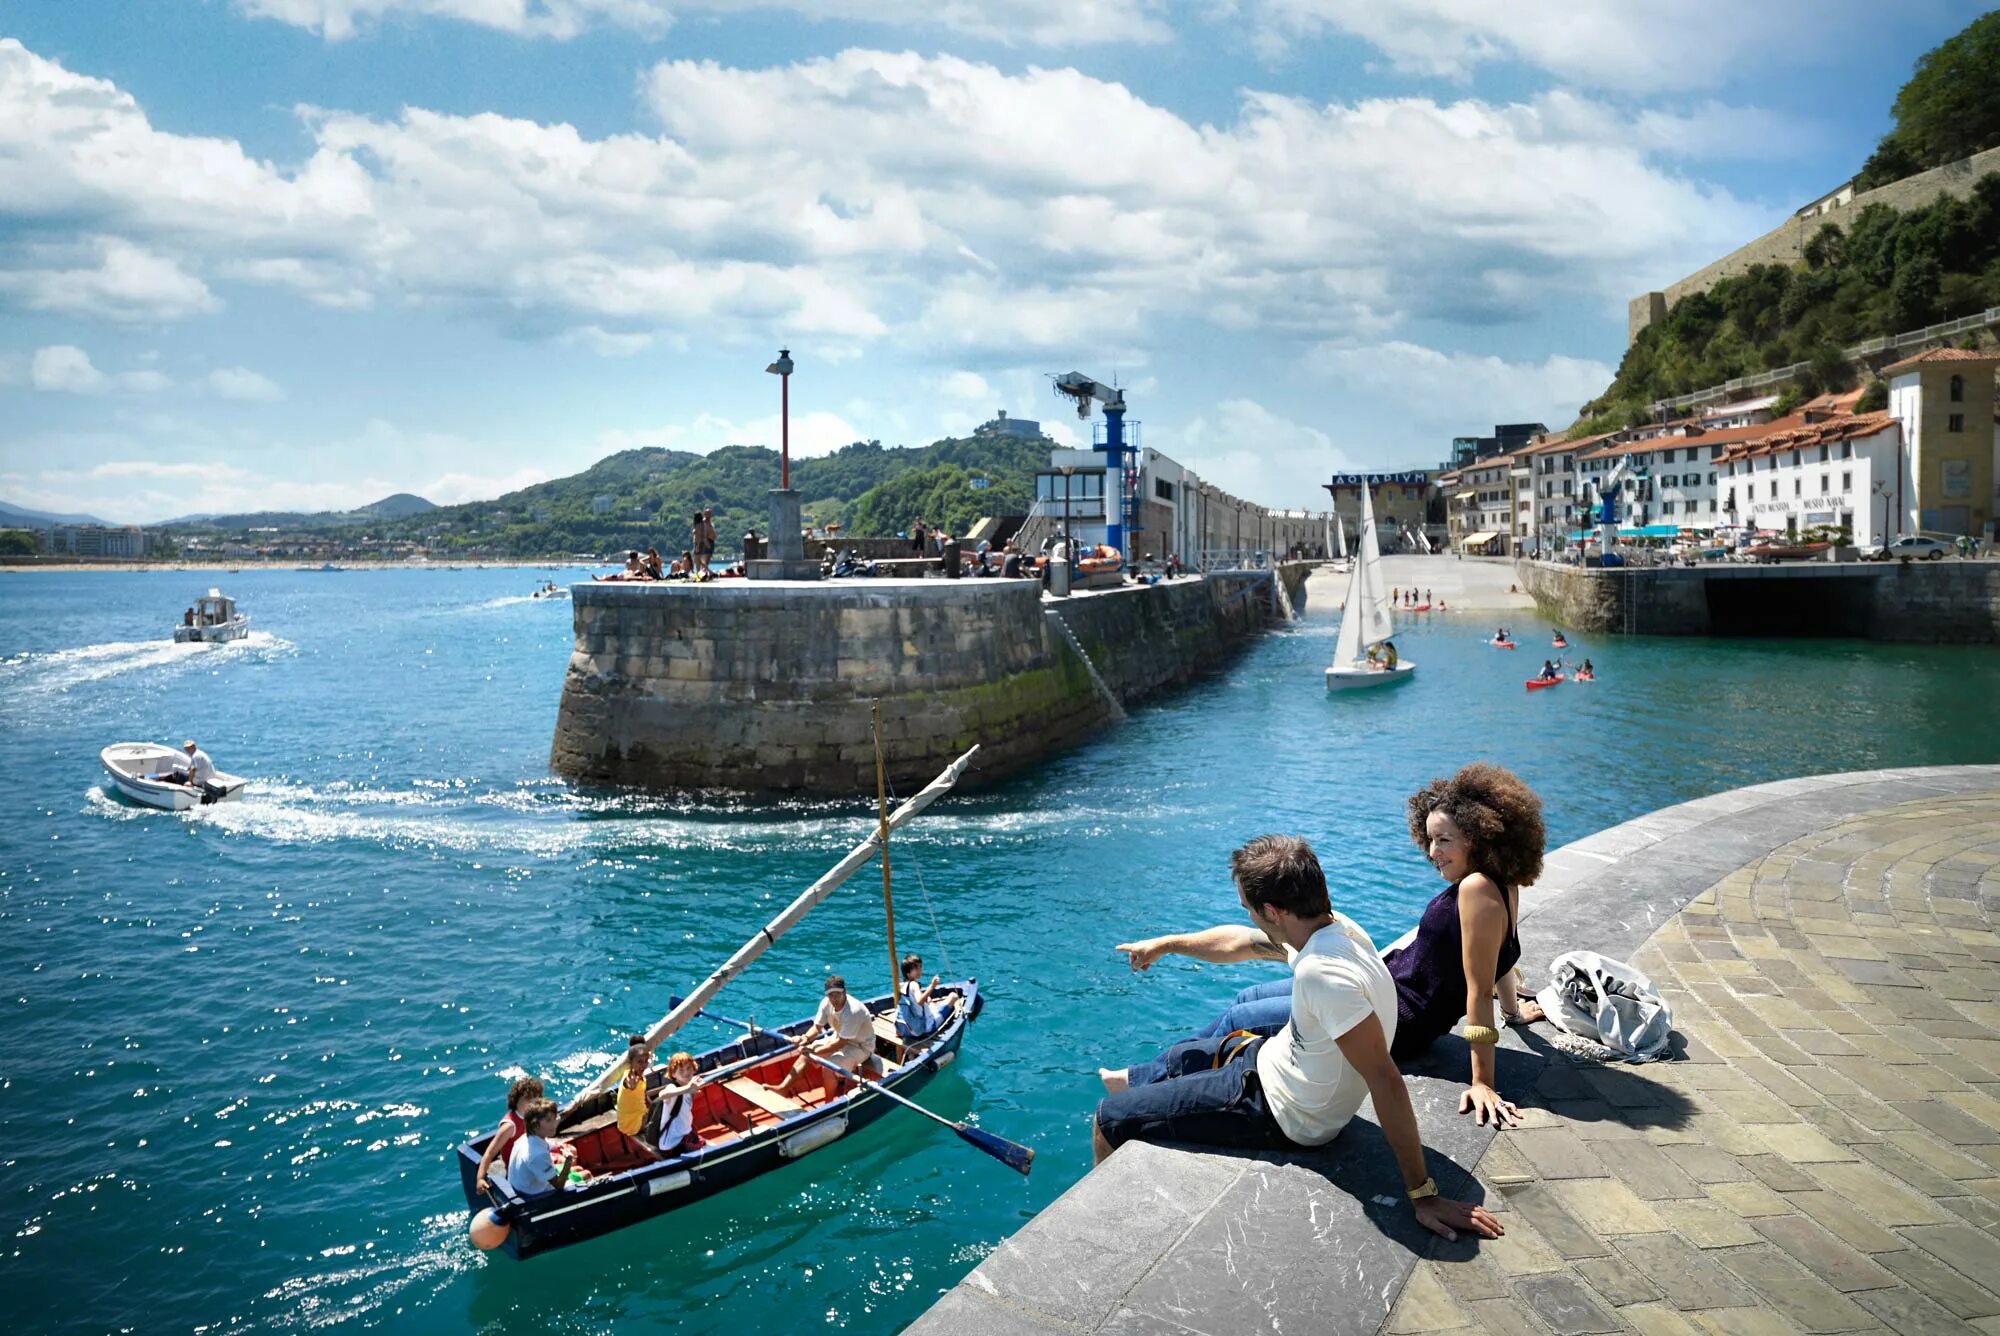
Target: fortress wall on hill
[{"x": 1785, "y": 243}]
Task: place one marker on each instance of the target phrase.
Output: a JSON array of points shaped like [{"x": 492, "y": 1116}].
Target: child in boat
[
  {"x": 533, "y": 1166},
  {"x": 519, "y": 1095},
  {"x": 917, "y": 1010},
  {"x": 1587, "y": 671},
  {"x": 632, "y": 1097},
  {"x": 675, "y": 1100},
  {"x": 1548, "y": 670}
]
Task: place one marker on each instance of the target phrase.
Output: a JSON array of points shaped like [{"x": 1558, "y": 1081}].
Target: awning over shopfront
[
  {"x": 1464, "y": 496},
  {"x": 1633, "y": 531},
  {"x": 1479, "y": 539}
]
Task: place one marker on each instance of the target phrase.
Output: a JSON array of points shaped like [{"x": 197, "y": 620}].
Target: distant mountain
[
  {"x": 401, "y": 506},
  {"x": 19, "y": 515}
]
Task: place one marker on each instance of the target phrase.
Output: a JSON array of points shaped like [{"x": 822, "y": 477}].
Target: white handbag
[{"x": 1610, "y": 1003}]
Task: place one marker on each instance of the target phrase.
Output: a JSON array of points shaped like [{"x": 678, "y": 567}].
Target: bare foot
[
  {"x": 1531, "y": 1011},
  {"x": 1114, "y": 1079}
]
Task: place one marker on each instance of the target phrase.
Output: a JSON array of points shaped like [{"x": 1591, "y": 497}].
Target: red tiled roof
[
  {"x": 1934, "y": 356},
  {"x": 1793, "y": 433}
]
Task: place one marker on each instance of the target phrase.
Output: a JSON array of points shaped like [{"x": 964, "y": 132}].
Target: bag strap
[{"x": 1226, "y": 1052}]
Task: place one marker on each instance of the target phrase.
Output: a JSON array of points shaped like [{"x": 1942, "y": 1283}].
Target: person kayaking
[
  {"x": 1500, "y": 636},
  {"x": 1549, "y": 673},
  {"x": 1586, "y": 673}
]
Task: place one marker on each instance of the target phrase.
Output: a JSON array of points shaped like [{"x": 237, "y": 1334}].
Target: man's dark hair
[
  {"x": 1281, "y": 870},
  {"x": 835, "y": 981}
]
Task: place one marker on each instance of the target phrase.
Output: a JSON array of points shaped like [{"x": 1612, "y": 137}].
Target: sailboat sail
[
  {"x": 1339, "y": 537},
  {"x": 1364, "y": 619}
]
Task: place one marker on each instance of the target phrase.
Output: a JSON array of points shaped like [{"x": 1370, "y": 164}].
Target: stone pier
[
  {"x": 1821, "y": 1154},
  {"x": 766, "y": 686},
  {"x": 1930, "y": 602}
]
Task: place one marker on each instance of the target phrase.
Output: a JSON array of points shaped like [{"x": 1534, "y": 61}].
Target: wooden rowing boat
[{"x": 746, "y": 1128}]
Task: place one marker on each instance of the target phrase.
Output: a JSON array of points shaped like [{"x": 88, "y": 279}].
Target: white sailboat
[
  {"x": 1340, "y": 561},
  {"x": 1364, "y": 618}
]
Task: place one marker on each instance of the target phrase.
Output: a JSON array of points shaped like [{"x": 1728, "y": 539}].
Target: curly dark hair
[{"x": 1499, "y": 814}]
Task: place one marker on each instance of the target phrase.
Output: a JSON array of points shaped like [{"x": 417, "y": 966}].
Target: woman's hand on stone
[{"x": 1485, "y": 1103}]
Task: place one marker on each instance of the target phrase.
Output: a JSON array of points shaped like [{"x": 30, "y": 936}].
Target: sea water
[{"x": 239, "y": 1045}]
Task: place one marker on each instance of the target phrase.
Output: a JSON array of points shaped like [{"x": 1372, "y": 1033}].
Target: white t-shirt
[
  {"x": 1336, "y": 982},
  {"x": 200, "y": 769},
  {"x": 676, "y": 1124},
  {"x": 530, "y": 1167},
  {"x": 853, "y": 1021}
]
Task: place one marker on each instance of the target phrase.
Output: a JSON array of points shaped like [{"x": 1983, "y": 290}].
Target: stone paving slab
[{"x": 1821, "y": 1155}]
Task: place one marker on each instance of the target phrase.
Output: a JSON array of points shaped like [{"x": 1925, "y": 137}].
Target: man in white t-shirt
[
  {"x": 843, "y": 1032},
  {"x": 1300, "y": 1087}
]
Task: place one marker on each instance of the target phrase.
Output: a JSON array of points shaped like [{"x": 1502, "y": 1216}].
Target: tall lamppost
[
  {"x": 1885, "y": 491},
  {"x": 782, "y": 369},
  {"x": 786, "y": 554}
]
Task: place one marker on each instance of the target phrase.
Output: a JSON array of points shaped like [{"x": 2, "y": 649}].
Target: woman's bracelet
[{"x": 1481, "y": 1034}]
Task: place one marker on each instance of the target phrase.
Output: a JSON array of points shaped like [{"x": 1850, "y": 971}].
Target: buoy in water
[{"x": 488, "y": 1230}]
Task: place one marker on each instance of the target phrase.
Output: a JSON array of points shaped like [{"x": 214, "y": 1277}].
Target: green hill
[
  {"x": 1883, "y": 273},
  {"x": 648, "y": 497}
]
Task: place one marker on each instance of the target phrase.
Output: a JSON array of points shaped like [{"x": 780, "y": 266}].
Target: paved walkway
[
  {"x": 1823, "y": 1157},
  {"x": 1827, "y": 1157}
]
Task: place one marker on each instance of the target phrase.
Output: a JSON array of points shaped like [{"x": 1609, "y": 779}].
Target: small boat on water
[
  {"x": 133, "y": 766},
  {"x": 550, "y": 590},
  {"x": 744, "y": 1126},
  {"x": 212, "y": 620},
  {"x": 1537, "y": 683},
  {"x": 1501, "y": 644},
  {"x": 1364, "y": 619}
]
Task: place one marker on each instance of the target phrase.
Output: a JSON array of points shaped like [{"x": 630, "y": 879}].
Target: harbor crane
[
  {"x": 1608, "y": 488},
  {"x": 1085, "y": 391}
]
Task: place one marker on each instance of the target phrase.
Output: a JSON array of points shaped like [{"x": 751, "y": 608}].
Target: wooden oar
[{"x": 1015, "y": 1156}]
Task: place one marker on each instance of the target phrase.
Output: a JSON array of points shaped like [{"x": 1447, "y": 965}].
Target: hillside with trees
[
  {"x": 1879, "y": 272},
  {"x": 647, "y": 497}
]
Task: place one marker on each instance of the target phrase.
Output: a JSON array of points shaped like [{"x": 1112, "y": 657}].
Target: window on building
[
  {"x": 1956, "y": 422},
  {"x": 1822, "y": 454},
  {"x": 1711, "y": 505},
  {"x": 1711, "y": 477},
  {"x": 1163, "y": 489},
  {"x": 1847, "y": 449},
  {"x": 1567, "y": 485},
  {"x": 1798, "y": 487},
  {"x": 1822, "y": 484},
  {"x": 1795, "y": 460},
  {"x": 1958, "y": 389},
  {"x": 1847, "y": 482},
  {"x": 1666, "y": 507}
]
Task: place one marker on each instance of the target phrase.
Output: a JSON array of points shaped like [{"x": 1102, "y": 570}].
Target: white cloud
[
  {"x": 1039, "y": 22},
  {"x": 1254, "y": 453},
  {"x": 1609, "y": 44},
  {"x": 450, "y": 489},
  {"x": 869, "y": 196},
  {"x": 243, "y": 385},
  {"x": 1434, "y": 395},
  {"x": 813, "y": 433},
  {"x": 966, "y": 387},
  {"x": 609, "y": 343},
  {"x": 63, "y": 368},
  {"x": 125, "y": 283}
]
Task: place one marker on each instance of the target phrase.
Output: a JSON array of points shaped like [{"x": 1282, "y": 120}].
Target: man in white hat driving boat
[{"x": 197, "y": 771}]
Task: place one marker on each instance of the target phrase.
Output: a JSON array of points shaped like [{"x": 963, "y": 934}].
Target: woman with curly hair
[{"x": 1482, "y": 830}]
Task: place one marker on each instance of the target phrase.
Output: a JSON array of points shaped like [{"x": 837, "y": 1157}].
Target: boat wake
[
  {"x": 545, "y": 819},
  {"x": 59, "y": 670},
  {"x": 359, "y": 1280}
]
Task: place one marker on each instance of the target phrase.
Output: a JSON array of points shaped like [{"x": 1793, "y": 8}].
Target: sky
[{"x": 300, "y": 254}]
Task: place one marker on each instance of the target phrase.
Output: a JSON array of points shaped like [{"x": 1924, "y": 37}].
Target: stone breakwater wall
[
  {"x": 767, "y": 686},
  {"x": 1949, "y": 601}
]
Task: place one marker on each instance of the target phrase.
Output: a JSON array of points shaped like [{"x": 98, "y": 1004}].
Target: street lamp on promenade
[{"x": 1885, "y": 491}]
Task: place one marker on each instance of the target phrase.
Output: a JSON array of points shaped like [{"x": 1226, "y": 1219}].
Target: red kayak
[
  {"x": 1559, "y": 644},
  {"x": 1501, "y": 644},
  {"x": 1537, "y": 683},
  {"x": 1420, "y": 607}
]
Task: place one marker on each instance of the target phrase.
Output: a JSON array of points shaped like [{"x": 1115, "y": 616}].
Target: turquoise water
[{"x": 240, "y": 1044}]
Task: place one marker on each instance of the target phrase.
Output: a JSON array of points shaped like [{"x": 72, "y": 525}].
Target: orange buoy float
[{"x": 488, "y": 1230}]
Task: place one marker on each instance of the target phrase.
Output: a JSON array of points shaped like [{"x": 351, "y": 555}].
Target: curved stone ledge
[{"x": 1179, "y": 1240}]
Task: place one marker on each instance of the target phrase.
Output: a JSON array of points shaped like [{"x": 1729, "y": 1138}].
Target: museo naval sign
[{"x": 1410, "y": 478}]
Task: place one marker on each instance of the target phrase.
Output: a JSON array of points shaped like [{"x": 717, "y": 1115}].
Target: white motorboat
[
  {"x": 133, "y": 767},
  {"x": 1364, "y": 617},
  {"x": 212, "y": 619}
]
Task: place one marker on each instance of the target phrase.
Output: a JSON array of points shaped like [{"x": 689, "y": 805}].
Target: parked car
[{"x": 1909, "y": 549}]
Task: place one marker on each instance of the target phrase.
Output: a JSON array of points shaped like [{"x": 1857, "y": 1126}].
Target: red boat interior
[{"x": 741, "y": 1104}]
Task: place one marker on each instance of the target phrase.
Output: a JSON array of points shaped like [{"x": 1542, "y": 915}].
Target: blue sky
[{"x": 303, "y": 253}]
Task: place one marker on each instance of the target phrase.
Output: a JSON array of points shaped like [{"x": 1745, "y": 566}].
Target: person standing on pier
[{"x": 1302, "y": 1086}]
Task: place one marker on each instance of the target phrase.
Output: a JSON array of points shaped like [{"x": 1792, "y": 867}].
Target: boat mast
[
  {"x": 882, "y": 837},
  {"x": 778, "y": 926}
]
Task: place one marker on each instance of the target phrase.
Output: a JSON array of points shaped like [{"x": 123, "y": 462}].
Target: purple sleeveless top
[{"x": 1430, "y": 974}]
